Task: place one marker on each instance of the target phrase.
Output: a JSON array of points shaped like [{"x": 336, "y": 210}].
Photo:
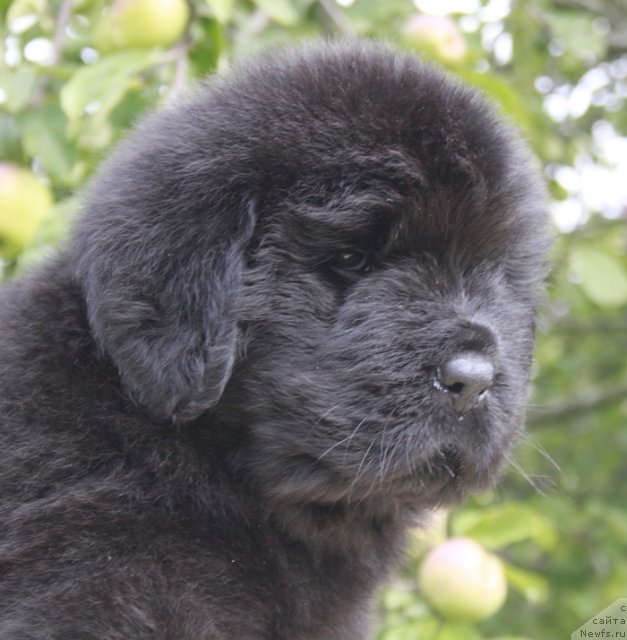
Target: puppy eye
[{"x": 349, "y": 261}]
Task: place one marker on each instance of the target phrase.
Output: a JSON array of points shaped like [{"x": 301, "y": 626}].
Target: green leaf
[
  {"x": 22, "y": 14},
  {"x": 372, "y": 15},
  {"x": 398, "y": 598},
  {"x": 501, "y": 91},
  {"x": 207, "y": 48},
  {"x": 281, "y": 11},
  {"x": 17, "y": 86},
  {"x": 95, "y": 90},
  {"x": 44, "y": 136},
  {"x": 499, "y": 526},
  {"x": 452, "y": 631},
  {"x": 53, "y": 229},
  {"x": 412, "y": 629},
  {"x": 573, "y": 28},
  {"x": 10, "y": 147},
  {"x": 603, "y": 276},
  {"x": 221, "y": 9},
  {"x": 532, "y": 586}
]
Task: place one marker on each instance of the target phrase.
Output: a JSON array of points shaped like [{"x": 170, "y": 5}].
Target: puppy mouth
[
  {"x": 443, "y": 478},
  {"x": 449, "y": 462},
  {"x": 444, "y": 467}
]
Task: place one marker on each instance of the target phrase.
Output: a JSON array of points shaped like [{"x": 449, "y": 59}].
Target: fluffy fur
[{"x": 218, "y": 403}]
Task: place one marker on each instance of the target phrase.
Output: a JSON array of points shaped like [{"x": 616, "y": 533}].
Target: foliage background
[{"x": 558, "y": 68}]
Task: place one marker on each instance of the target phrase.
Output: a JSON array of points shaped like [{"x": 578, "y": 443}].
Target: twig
[
  {"x": 598, "y": 326},
  {"x": 60, "y": 26},
  {"x": 181, "y": 66},
  {"x": 336, "y": 16},
  {"x": 573, "y": 406},
  {"x": 181, "y": 55}
]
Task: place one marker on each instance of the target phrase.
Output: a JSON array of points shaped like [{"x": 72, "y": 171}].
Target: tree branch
[
  {"x": 336, "y": 16},
  {"x": 584, "y": 403},
  {"x": 61, "y": 23},
  {"x": 570, "y": 327}
]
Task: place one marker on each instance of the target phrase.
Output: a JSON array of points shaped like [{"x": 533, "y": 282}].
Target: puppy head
[
  {"x": 389, "y": 299},
  {"x": 340, "y": 249}
]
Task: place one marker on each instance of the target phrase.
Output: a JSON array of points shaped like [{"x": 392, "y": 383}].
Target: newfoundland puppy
[{"x": 296, "y": 315}]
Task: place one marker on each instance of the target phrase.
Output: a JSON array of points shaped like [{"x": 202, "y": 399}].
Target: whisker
[
  {"x": 542, "y": 451},
  {"x": 337, "y": 444},
  {"x": 359, "y": 472},
  {"x": 319, "y": 419},
  {"x": 518, "y": 467}
]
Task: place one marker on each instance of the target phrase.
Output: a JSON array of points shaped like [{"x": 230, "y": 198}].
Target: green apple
[
  {"x": 438, "y": 36},
  {"x": 130, "y": 24},
  {"x": 462, "y": 581},
  {"x": 24, "y": 201}
]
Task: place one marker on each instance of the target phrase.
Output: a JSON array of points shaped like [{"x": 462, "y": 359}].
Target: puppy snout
[{"x": 466, "y": 378}]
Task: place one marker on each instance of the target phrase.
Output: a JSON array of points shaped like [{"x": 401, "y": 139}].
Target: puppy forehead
[
  {"x": 383, "y": 123},
  {"x": 392, "y": 224},
  {"x": 327, "y": 109},
  {"x": 392, "y": 205},
  {"x": 335, "y": 135}
]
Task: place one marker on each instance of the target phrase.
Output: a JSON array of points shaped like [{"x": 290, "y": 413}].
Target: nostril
[
  {"x": 466, "y": 377},
  {"x": 456, "y": 387}
]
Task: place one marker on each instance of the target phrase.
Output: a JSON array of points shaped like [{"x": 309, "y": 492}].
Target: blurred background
[{"x": 76, "y": 74}]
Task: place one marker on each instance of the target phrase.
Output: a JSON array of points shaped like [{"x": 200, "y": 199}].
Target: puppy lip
[
  {"x": 450, "y": 461},
  {"x": 436, "y": 470},
  {"x": 453, "y": 467}
]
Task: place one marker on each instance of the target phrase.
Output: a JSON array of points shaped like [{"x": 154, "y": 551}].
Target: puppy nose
[{"x": 466, "y": 377}]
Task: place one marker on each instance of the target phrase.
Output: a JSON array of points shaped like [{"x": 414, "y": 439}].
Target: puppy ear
[{"x": 160, "y": 266}]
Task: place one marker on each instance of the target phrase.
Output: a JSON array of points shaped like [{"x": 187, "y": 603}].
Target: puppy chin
[
  {"x": 320, "y": 509},
  {"x": 311, "y": 497},
  {"x": 454, "y": 474},
  {"x": 446, "y": 477}
]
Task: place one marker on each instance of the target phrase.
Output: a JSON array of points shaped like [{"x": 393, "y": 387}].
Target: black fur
[{"x": 211, "y": 429}]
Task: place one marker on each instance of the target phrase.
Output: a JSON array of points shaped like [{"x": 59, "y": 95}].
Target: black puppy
[{"x": 297, "y": 314}]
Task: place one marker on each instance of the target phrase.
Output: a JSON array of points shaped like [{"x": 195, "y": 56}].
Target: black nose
[{"x": 466, "y": 377}]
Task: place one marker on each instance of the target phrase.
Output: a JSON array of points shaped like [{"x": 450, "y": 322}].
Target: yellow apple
[
  {"x": 438, "y": 36},
  {"x": 131, "y": 24},
  {"x": 24, "y": 201},
  {"x": 462, "y": 581}
]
